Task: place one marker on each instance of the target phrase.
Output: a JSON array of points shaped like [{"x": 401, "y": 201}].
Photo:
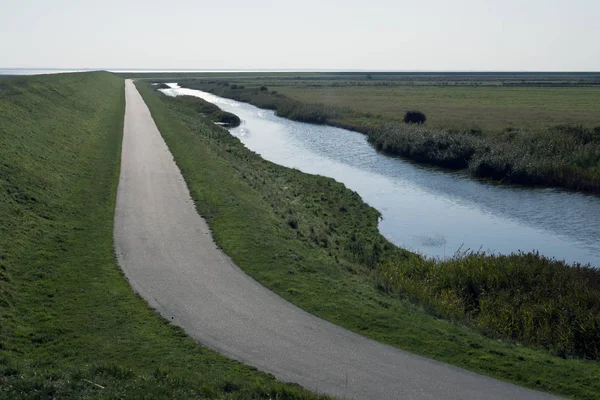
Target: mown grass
[
  {"x": 70, "y": 325},
  {"x": 566, "y": 156},
  {"x": 315, "y": 243}
]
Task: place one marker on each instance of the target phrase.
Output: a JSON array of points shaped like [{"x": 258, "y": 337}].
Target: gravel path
[{"x": 166, "y": 251}]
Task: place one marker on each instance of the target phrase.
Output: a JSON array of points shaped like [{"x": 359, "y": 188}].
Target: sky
[{"x": 415, "y": 35}]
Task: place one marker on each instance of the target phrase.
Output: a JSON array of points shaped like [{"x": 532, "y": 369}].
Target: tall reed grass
[
  {"x": 523, "y": 296},
  {"x": 562, "y": 156}
]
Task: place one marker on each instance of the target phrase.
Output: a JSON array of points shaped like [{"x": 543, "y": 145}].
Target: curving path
[{"x": 166, "y": 251}]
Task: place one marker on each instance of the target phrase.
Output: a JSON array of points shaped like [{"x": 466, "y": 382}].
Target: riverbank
[
  {"x": 317, "y": 244},
  {"x": 70, "y": 324},
  {"x": 564, "y": 156},
  {"x": 209, "y": 110}
]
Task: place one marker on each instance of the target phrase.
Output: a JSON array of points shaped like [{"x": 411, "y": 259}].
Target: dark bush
[
  {"x": 226, "y": 118},
  {"x": 264, "y": 89},
  {"x": 414, "y": 117}
]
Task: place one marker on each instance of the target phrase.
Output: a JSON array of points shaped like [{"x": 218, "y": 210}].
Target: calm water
[{"x": 433, "y": 212}]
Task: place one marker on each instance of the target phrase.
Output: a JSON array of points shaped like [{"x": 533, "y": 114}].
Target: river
[{"x": 427, "y": 210}]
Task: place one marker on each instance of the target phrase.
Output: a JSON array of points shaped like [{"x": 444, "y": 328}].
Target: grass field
[
  {"x": 70, "y": 325},
  {"x": 488, "y": 108},
  {"x": 315, "y": 243}
]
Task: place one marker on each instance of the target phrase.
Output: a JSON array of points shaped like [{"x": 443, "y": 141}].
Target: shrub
[
  {"x": 414, "y": 117},
  {"x": 264, "y": 89},
  {"x": 226, "y": 118}
]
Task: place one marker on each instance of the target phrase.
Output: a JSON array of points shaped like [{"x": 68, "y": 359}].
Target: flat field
[{"x": 490, "y": 108}]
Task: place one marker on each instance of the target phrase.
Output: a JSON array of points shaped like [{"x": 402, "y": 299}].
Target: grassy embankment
[
  {"x": 541, "y": 143},
  {"x": 316, "y": 243},
  {"x": 70, "y": 325}
]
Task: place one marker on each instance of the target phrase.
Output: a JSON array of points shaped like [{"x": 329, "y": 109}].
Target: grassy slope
[
  {"x": 68, "y": 317},
  {"x": 273, "y": 222}
]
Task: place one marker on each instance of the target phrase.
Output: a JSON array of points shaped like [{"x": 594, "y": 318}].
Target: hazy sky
[{"x": 536, "y": 35}]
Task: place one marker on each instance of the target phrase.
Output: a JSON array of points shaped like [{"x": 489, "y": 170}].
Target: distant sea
[
  {"x": 40, "y": 71},
  {"x": 35, "y": 71}
]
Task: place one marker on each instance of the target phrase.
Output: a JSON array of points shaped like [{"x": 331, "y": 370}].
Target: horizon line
[{"x": 215, "y": 70}]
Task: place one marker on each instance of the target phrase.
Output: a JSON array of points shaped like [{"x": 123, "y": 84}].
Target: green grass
[
  {"x": 487, "y": 108},
  {"x": 315, "y": 243},
  {"x": 69, "y": 320}
]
